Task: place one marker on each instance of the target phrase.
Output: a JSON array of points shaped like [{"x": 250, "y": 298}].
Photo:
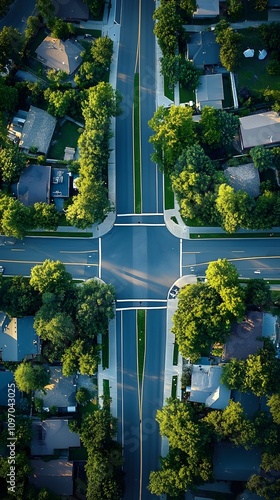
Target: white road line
[
  {"x": 132, "y": 308},
  {"x": 156, "y": 187},
  {"x": 143, "y": 214},
  {"x": 78, "y": 251},
  {"x": 141, "y": 300},
  {"x": 100, "y": 258},
  {"x": 17, "y": 249},
  {"x": 140, "y": 224},
  {"x": 122, "y": 377},
  {"x": 191, "y": 252},
  {"x": 41, "y": 262}
]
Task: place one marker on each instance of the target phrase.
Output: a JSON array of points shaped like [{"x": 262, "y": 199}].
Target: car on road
[{"x": 2, "y": 269}]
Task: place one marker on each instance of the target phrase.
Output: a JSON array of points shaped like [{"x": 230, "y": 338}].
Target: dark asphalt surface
[{"x": 18, "y": 13}]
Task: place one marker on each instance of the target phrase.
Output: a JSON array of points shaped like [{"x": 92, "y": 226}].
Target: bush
[{"x": 83, "y": 396}]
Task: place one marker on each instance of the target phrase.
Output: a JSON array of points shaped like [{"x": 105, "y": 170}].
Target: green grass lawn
[
  {"x": 175, "y": 354},
  {"x": 194, "y": 236},
  {"x": 186, "y": 95},
  {"x": 168, "y": 193},
  {"x": 60, "y": 234},
  {"x": 141, "y": 333},
  {"x": 228, "y": 99},
  {"x": 66, "y": 135},
  {"x": 137, "y": 162},
  {"x": 106, "y": 388},
  {"x": 105, "y": 351},
  {"x": 252, "y": 72},
  {"x": 168, "y": 92}
]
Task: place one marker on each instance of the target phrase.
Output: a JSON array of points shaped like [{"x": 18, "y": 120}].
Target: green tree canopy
[
  {"x": 30, "y": 377},
  {"x": 45, "y": 216},
  {"x": 20, "y": 298},
  {"x": 11, "y": 43},
  {"x": 234, "y": 208},
  {"x": 174, "y": 131},
  {"x": 257, "y": 293},
  {"x": 80, "y": 356},
  {"x": 274, "y": 405},
  {"x": 51, "y": 276},
  {"x": 12, "y": 163},
  {"x": 263, "y": 158},
  {"x": 200, "y": 320}
]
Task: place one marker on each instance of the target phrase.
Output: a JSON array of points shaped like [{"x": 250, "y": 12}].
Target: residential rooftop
[
  {"x": 59, "y": 55},
  {"x": 37, "y": 130},
  {"x": 260, "y": 129},
  {"x": 244, "y": 177}
]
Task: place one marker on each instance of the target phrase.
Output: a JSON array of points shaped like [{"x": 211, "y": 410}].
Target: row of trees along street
[{"x": 202, "y": 320}]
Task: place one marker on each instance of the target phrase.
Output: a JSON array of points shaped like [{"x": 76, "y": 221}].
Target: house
[
  {"x": 34, "y": 185},
  {"x": 203, "y": 49},
  {"x": 18, "y": 339},
  {"x": 37, "y": 131},
  {"x": 260, "y": 129},
  {"x": 210, "y": 91},
  {"x": 234, "y": 463},
  {"x": 52, "y": 434},
  {"x": 206, "y": 8},
  {"x": 76, "y": 10},
  {"x": 6, "y": 378},
  {"x": 245, "y": 337},
  {"x": 56, "y": 54},
  {"x": 60, "y": 392},
  {"x": 244, "y": 177},
  {"x": 206, "y": 387},
  {"x": 56, "y": 475}
]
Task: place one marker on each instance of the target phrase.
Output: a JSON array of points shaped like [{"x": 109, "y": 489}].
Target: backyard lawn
[
  {"x": 66, "y": 135},
  {"x": 252, "y": 72}
]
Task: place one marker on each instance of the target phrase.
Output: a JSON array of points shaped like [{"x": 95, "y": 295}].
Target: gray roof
[
  {"x": 76, "y": 9},
  {"x": 34, "y": 185},
  {"x": 56, "y": 54},
  {"x": 207, "y": 8},
  {"x": 60, "y": 392},
  {"x": 203, "y": 49},
  {"x": 50, "y": 435},
  {"x": 233, "y": 463},
  {"x": 56, "y": 475},
  {"x": 259, "y": 129},
  {"x": 210, "y": 91},
  {"x": 59, "y": 183},
  {"x": 245, "y": 177},
  {"x": 37, "y": 130},
  {"x": 18, "y": 339},
  {"x": 206, "y": 387}
]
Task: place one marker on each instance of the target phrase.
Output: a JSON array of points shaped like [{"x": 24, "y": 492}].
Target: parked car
[{"x": 2, "y": 269}]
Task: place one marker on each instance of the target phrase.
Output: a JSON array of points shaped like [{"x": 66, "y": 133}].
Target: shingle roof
[
  {"x": 18, "y": 339},
  {"x": 60, "y": 392},
  {"x": 203, "y": 49},
  {"x": 50, "y": 435},
  {"x": 206, "y": 386},
  {"x": 56, "y": 54},
  {"x": 34, "y": 185},
  {"x": 56, "y": 475},
  {"x": 76, "y": 9},
  {"x": 245, "y": 177},
  {"x": 37, "y": 130}
]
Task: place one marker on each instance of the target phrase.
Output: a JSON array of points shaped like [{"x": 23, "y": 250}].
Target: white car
[{"x": 2, "y": 269}]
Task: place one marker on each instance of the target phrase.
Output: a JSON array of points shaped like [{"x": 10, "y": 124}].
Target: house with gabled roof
[
  {"x": 260, "y": 129},
  {"x": 57, "y": 54},
  {"x": 210, "y": 91},
  {"x": 206, "y": 387},
  {"x": 76, "y": 10},
  {"x": 203, "y": 49},
  {"x": 37, "y": 130},
  {"x": 60, "y": 392},
  {"x": 52, "y": 434}
]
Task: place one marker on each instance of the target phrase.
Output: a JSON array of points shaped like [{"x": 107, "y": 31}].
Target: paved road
[{"x": 18, "y": 14}]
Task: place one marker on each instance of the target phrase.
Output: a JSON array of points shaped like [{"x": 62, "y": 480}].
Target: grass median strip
[
  {"x": 194, "y": 236},
  {"x": 136, "y": 139},
  {"x": 174, "y": 386},
  {"x": 106, "y": 388},
  {"x": 105, "y": 351},
  {"x": 175, "y": 354},
  {"x": 60, "y": 234},
  {"x": 168, "y": 193},
  {"x": 141, "y": 337}
]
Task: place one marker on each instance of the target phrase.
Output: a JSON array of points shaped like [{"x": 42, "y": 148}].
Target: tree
[
  {"x": 233, "y": 374},
  {"x": 82, "y": 396},
  {"x": 16, "y": 218},
  {"x": 274, "y": 405},
  {"x": 188, "y": 73},
  {"x": 230, "y": 45},
  {"x": 58, "y": 328},
  {"x": 60, "y": 29},
  {"x": 51, "y": 276},
  {"x": 168, "y": 26},
  {"x": 46, "y": 9},
  {"x": 234, "y": 9},
  {"x": 11, "y": 42},
  {"x": 32, "y": 27},
  {"x": 218, "y": 127},
  {"x": 95, "y": 6},
  {"x": 221, "y": 274},
  {"x": 4, "y": 5},
  {"x": 263, "y": 158},
  {"x": 270, "y": 462},
  {"x": 200, "y": 320},
  {"x": 10, "y": 97},
  {"x": 174, "y": 131},
  {"x": 20, "y": 299},
  {"x": 102, "y": 51},
  {"x": 232, "y": 424},
  {"x": 30, "y": 377},
  {"x": 234, "y": 207},
  {"x": 80, "y": 356},
  {"x": 95, "y": 307},
  {"x": 45, "y": 216},
  {"x": 257, "y": 293},
  {"x": 12, "y": 163},
  {"x": 267, "y": 488},
  {"x": 59, "y": 101}
]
